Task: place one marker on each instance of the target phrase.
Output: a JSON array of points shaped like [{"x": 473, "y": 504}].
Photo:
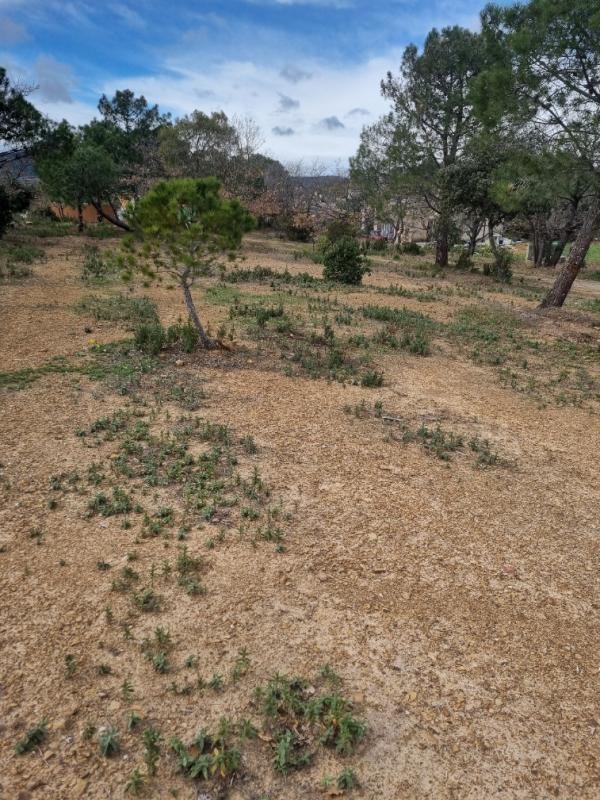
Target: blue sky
[{"x": 307, "y": 71}]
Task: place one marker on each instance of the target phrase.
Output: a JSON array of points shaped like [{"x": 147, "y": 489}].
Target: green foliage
[
  {"x": 33, "y": 738},
  {"x": 119, "y": 308},
  {"x": 183, "y": 334},
  {"x": 501, "y": 268},
  {"x": 97, "y": 267},
  {"x": 344, "y": 262},
  {"x": 150, "y": 337},
  {"x": 108, "y": 741}
]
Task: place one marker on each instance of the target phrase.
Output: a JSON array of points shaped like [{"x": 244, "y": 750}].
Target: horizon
[{"x": 307, "y": 71}]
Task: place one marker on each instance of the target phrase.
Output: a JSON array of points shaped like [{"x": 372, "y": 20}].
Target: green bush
[
  {"x": 340, "y": 229},
  {"x": 344, "y": 262},
  {"x": 411, "y": 249},
  {"x": 377, "y": 245},
  {"x": 464, "y": 261},
  {"x": 150, "y": 338},
  {"x": 96, "y": 266},
  {"x": 501, "y": 268},
  {"x": 184, "y": 334}
]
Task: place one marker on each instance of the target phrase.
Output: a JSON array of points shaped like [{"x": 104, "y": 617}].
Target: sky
[{"x": 307, "y": 71}]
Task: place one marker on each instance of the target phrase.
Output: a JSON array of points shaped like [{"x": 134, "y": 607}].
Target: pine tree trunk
[
  {"x": 80, "y": 218},
  {"x": 115, "y": 220},
  {"x": 206, "y": 342},
  {"x": 565, "y": 278},
  {"x": 441, "y": 242}
]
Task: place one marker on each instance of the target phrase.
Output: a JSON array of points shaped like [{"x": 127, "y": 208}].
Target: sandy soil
[{"x": 460, "y": 606}]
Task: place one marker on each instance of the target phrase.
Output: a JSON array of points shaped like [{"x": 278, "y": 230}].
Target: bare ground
[{"x": 459, "y": 605}]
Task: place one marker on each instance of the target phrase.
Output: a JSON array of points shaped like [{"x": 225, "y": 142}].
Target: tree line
[{"x": 499, "y": 127}]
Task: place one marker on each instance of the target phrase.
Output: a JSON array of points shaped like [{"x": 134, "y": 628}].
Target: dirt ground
[{"x": 460, "y": 606}]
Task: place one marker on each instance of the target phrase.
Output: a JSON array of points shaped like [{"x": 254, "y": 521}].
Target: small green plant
[
  {"x": 372, "y": 379},
  {"x": 127, "y": 690},
  {"x": 32, "y": 739},
  {"x": 103, "y": 669},
  {"x": 151, "y": 739},
  {"x": 216, "y": 682},
  {"x": 70, "y": 665},
  {"x": 346, "y": 780},
  {"x": 147, "y": 600},
  {"x": 289, "y": 753},
  {"x": 136, "y": 782},
  {"x": 108, "y": 741},
  {"x": 241, "y": 665}
]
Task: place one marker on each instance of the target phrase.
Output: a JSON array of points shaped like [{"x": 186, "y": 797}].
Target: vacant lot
[{"x": 360, "y": 546}]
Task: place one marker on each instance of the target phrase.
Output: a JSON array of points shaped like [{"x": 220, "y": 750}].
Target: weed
[
  {"x": 133, "y": 720},
  {"x": 70, "y": 666},
  {"x": 108, "y": 741},
  {"x": 346, "y": 779},
  {"x": 216, "y": 682},
  {"x": 241, "y": 665},
  {"x": 289, "y": 753},
  {"x": 120, "y": 503},
  {"x": 32, "y": 739},
  {"x": 119, "y": 308},
  {"x": 136, "y": 782},
  {"x": 127, "y": 691},
  {"x": 146, "y": 600},
  {"x": 371, "y": 379},
  {"x": 103, "y": 669},
  {"x": 151, "y": 739},
  {"x": 207, "y": 755}
]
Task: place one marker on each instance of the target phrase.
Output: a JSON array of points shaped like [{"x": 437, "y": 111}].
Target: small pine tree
[
  {"x": 344, "y": 262},
  {"x": 184, "y": 227}
]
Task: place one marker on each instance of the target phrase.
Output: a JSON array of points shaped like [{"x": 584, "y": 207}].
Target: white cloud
[
  {"x": 54, "y": 80},
  {"x": 245, "y": 88},
  {"x": 11, "y": 32}
]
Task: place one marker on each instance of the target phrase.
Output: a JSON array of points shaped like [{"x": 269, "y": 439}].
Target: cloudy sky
[{"x": 307, "y": 71}]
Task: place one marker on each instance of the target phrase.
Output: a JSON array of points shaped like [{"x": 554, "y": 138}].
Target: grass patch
[{"x": 119, "y": 308}]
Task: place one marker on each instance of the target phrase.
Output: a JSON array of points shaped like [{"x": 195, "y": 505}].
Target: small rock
[{"x": 179, "y": 362}]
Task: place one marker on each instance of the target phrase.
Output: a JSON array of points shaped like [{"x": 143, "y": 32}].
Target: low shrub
[
  {"x": 183, "y": 334},
  {"x": 344, "y": 262},
  {"x": 150, "y": 337}
]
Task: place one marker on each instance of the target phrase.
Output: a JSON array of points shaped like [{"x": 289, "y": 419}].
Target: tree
[
  {"x": 20, "y": 126},
  {"x": 434, "y": 117},
  {"x": 384, "y": 171},
  {"x": 76, "y": 173},
  {"x": 183, "y": 227},
  {"x": 545, "y": 68},
  {"x": 20, "y": 122},
  {"x": 129, "y": 132}
]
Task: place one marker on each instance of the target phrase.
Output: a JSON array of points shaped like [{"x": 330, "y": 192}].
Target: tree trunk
[
  {"x": 491, "y": 239},
  {"x": 207, "y": 343},
  {"x": 115, "y": 220},
  {"x": 441, "y": 242},
  {"x": 80, "y": 217},
  {"x": 474, "y": 229},
  {"x": 565, "y": 278}
]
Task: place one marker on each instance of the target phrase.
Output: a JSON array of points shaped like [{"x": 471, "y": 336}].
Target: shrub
[
  {"x": 411, "y": 249},
  {"x": 340, "y": 229},
  {"x": 344, "y": 262},
  {"x": 500, "y": 269},
  {"x": 464, "y": 261},
  {"x": 377, "y": 245},
  {"x": 183, "y": 334},
  {"x": 372, "y": 379},
  {"x": 150, "y": 337},
  {"x": 95, "y": 266}
]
